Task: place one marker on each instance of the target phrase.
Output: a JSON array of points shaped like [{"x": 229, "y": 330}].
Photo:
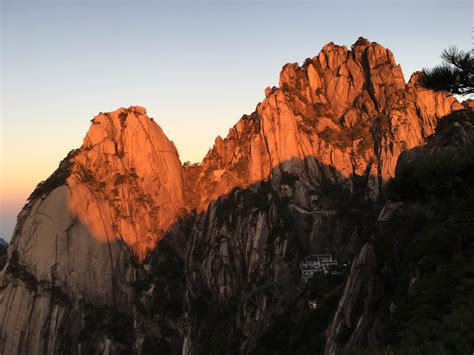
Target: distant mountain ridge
[
  {"x": 3, "y": 252},
  {"x": 124, "y": 249}
]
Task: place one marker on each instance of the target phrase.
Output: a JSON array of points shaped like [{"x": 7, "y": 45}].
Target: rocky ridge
[{"x": 349, "y": 109}]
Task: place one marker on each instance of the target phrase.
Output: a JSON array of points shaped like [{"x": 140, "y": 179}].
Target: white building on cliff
[{"x": 315, "y": 263}]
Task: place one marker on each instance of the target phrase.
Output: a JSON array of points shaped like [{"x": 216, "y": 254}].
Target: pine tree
[{"x": 455, "y": 74}]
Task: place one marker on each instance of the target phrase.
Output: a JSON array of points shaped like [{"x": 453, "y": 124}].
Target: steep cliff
[
  {"x": 123, "y": 249},
  {"x": 409, "y": 288}
]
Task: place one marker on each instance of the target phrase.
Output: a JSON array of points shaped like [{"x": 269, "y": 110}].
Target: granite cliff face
[{"x": 122, "y": 234}]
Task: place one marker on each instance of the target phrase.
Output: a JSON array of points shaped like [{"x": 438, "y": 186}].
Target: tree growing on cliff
[{"x": 455, "y": 74}]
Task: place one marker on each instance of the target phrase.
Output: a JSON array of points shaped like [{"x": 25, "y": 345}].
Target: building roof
[{"x": 317, "y": 257}]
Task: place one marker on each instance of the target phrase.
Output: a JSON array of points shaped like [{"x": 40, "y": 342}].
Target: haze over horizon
[{"x": 197, "y": 67}]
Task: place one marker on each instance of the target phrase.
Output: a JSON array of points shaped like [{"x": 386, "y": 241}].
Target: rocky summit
[{"x": 124, "y": 249}]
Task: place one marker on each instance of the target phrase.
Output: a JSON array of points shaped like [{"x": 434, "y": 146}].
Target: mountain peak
[
  {"x": 126, "y": 156},
  {"x": 346, "y": 109},
  {"x": 361, "y": 42}
]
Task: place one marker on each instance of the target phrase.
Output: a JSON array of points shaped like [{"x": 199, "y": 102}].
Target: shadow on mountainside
[
  {"x": 188, "y": 292},
  {"x": 198, "y": 272},
  {"x": 252, "y": 237},
  {"x": 431, "y": 196}
]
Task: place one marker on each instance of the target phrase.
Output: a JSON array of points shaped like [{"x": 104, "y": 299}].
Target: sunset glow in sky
[{"x": 197, "y": 66}]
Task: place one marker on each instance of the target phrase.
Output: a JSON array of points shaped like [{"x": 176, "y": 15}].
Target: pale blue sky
[{"x": 197, "y": 66}]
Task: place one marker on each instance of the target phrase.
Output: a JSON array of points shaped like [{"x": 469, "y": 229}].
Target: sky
[{"x": 197, "y": 66}]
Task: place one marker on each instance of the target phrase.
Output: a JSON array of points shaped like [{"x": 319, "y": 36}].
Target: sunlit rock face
[
  {"x": 126, "y": 182},
  {"x": 345, "y": 108},
  {"x": 83, "y": 239}
]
